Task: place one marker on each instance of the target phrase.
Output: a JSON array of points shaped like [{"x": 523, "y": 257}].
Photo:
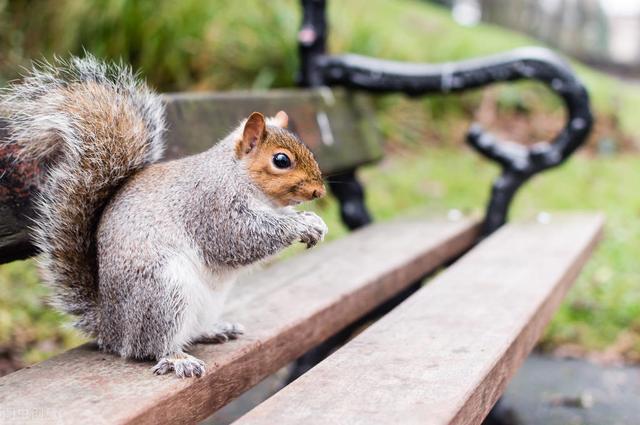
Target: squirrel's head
[{"x": 278, "y": 162}]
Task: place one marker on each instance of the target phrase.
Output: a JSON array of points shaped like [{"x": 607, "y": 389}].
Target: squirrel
[{"x": 144, "y": 252}]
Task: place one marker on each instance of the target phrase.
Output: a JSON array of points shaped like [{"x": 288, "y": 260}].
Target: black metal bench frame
[
  {"x": 318, "y": 69},
  {"x": 518, "y": 162}
]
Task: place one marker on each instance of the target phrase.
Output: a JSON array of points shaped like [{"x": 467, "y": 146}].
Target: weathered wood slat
[
  {"x": 445, "y": 355},
  {"x": 337, "y": 125},
  {"x": 287, "y": 309}
]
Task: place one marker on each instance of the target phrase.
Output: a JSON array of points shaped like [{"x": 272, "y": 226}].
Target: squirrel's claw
[
  {"x": 314, "y": 229},
  {"x": 184, "y": 365},
  {"x": 311, "y": 242},
  {"x": 223, "y": 332}
]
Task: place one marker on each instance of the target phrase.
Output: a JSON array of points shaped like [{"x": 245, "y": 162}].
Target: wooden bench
[
  {"x": 443, "y": 356},
  {"x": 327, "y": 120}
]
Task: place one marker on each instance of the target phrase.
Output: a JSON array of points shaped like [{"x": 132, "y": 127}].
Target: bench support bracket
[{"x": 350, "y": 194}]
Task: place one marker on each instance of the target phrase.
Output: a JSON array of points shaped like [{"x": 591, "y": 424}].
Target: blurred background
[
  {"x": 193, "y": 45},
  {"x": 603, "y": 33}
]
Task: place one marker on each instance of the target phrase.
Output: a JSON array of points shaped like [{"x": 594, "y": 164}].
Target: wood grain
[
  {"x": 287, "y": 309},
  {"x": 338, "y": 127},
  {"x": 445, "y": 355}
]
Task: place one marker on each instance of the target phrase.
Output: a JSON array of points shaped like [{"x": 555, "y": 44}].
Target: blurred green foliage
[
  {"x": 30, "y": 330},
  {"x": 194, "y": 44},
  {"x": 220, "y": 45},
  {"x": 176, "y": 45}
]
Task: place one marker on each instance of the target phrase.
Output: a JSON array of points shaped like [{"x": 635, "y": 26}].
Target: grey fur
[
  {"x": 225, "y": 218},
  {"x": 170, "y": 235},
  {"x": 46, "y": 118}
]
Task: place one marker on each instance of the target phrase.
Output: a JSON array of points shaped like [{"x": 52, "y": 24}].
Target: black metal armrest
[{"x": 518, "y": 162}]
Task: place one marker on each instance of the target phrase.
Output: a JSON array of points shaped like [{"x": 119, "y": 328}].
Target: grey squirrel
[{"x": 144, "y": 253}]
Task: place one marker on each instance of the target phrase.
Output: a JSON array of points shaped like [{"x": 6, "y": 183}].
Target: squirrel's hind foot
[
  {"x": 222, "y": 332},
  {"x": 184, "y": 365}
]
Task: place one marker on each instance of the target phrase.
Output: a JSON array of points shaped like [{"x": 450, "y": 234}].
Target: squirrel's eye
[{"x": 281, "y": 160}]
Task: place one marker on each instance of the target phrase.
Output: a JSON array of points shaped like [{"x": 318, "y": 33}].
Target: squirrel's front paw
[{"x": 313, "y": 228}]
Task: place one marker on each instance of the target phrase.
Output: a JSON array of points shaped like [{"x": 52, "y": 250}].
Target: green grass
[
  {"x": 603, "y": 309},
  {"x": 30, "y": 331},
  {"x": 195, "y": 45}
]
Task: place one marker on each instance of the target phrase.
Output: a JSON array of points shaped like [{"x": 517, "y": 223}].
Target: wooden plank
[
  {"x": 287, "y": 309},
  {"x": 445, "y": 355},
  {"x": 337, "y": 125}
]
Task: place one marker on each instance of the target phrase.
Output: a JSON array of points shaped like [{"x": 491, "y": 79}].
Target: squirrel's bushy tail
[{"x": 93, "y": 125}]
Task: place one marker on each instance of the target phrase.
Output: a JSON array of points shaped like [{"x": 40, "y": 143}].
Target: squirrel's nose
[{"x": 318, "y": 193}]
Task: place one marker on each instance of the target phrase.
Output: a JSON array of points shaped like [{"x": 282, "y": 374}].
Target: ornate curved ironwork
[{"x": 518, "y": 162}]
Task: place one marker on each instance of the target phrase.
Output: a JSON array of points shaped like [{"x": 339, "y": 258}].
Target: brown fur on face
[{"x": 260, "y": 142}]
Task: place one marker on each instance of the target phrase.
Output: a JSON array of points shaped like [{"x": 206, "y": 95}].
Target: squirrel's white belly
[{"x": 203, "y": 291}]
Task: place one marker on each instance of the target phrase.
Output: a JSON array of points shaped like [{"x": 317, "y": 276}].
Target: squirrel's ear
[
  {"x": 251, "y": 135},
  {"x": 281, "y": 119}
]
